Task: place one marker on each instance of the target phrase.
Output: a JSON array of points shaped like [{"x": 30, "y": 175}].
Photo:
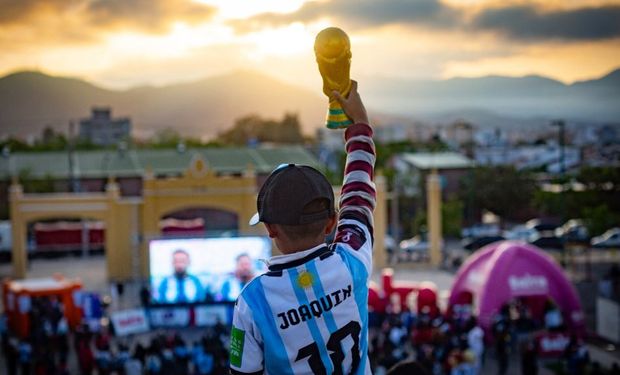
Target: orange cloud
[{"x": 44, "y": 22}]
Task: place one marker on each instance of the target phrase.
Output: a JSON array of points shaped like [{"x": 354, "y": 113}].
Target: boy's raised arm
[{"x": 358, "y": 195}]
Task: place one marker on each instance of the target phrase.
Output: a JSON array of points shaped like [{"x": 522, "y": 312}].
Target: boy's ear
[
  {"x": 331, "y": 224},
  {"x": 272, "y": 230}
]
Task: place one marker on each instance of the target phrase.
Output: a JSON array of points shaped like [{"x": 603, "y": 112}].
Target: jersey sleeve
[
  {"x": 358, "y": 194},
  {"x": 246, "y": 347}
]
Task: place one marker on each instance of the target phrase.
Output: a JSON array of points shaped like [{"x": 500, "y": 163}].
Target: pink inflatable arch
[{"x": 504, "y": 270}]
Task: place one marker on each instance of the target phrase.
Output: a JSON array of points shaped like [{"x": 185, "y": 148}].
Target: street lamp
[
  {"x": 469, "y": 152},
  {"x": 561, "y": 125}
]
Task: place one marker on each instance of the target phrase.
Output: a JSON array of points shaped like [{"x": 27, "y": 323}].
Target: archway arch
[{"x": 119, "y": 219}]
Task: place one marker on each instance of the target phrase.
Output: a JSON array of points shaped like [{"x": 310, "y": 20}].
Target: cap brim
[{"x": 255, "y": 219}]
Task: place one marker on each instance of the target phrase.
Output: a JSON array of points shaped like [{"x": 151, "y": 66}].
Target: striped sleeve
[{"x": 358, "y": 195}]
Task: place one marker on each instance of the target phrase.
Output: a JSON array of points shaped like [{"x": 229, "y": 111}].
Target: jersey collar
[{"x": 280, "y": 262}]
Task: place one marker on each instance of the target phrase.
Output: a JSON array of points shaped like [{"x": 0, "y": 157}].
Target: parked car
[
  {"x": 541, "y": 225},
  {"x": 481, "y": 230},
  {"x": 547, "y": 240},
  {"x": 611, "y": 238},
  {"x": 415, "y": 247},
  {"x": 573, "y": 231},
  {"x": 473, "y": 244},
  {"x": 519, "y": 233},
  {"x": 390, "y": 244}
]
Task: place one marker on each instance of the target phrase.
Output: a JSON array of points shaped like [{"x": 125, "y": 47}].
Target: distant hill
[
  {"x": 523, "y": 97},
  {"x": 31, "y": 100}
]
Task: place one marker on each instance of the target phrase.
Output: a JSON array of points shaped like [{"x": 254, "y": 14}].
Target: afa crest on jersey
[{"x": 305, "y": 280}]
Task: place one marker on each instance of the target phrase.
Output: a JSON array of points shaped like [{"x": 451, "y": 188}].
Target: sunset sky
[{"x": 124, "y": 43}]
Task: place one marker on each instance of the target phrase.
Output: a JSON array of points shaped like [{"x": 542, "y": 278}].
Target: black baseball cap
[{"x": 285, "y": 193}]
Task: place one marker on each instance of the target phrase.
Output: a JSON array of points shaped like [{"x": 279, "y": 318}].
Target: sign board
[
  {"x": 92, "y": 306},
  {"x": 129, "y": 322},
  {"x": 608, "y": 319},
  {"x": 211, "y": 315},
  {"x": 552, "y": 345},
  {"x": 170, "y": 317}
]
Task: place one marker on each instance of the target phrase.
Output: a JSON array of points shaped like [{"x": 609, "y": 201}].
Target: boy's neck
[{"x": 297, "y": 247}]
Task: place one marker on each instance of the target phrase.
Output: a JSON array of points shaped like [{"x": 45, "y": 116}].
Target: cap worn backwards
[{"x": 285, "y": 193}]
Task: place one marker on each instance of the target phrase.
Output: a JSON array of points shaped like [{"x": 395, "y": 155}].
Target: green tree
[
  {"x": 32, "y": 184},
  {"x": 600, "y": 218},
  {"x": 50, "y": 140},
  {"x": 451, "y": 219},
  {"x": 502, "y": 190},
  {"x": 255, "y": 128}
]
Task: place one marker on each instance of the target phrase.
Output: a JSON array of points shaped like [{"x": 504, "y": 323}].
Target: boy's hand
[{"x": 352, "y": 105}]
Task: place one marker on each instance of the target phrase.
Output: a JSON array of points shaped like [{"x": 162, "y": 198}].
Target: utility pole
[
  {"x": 394, "y": 216},
  {"x": 74, "y": 183},
  {"x": 561, "y": 143},
  {"x": 561, "y": 124},
  {"x": 470, "y": 212}
]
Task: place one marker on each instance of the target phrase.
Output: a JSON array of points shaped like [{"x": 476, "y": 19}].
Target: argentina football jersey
[{"x": 309, "y": 315}]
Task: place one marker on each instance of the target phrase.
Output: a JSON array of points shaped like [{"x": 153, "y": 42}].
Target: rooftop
[
  {"x": 132, "y": 163},
  {"x": 439, "y": 160}
]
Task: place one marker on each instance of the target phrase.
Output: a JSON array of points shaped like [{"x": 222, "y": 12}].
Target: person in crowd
[
  {"x": 133, "y": 366},
  {"x": 577, "y": 356},
  {"x": 203, "y": 361},
  {"x": 24, "y": 351},
  {"x": 153, "y": 363},
  {"x": 10, "y": 351},
  {"x": 181, "y": 286},
  {"x": 529, "y": 358},
  {"x": 86, "y": 358},
  {"x": 501, "y": 334},
  {"x": 475, "y": 342}
]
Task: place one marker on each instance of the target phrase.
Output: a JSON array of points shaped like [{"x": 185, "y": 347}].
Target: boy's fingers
[
  {"x": 353, "y": 86},
  {"x": 338, "y": 97}
]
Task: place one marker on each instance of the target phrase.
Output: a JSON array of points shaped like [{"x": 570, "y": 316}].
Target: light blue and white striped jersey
[{"x": 309, "y": 313}]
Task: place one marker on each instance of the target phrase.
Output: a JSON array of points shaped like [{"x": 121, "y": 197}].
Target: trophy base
[{"x": 336, "y": 118}]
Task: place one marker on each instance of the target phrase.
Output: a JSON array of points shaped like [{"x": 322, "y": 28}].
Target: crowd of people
[
  {"x": 46, "y": 350},
  {"x": 165, "y": 354},
  {"x": 452, "y": 343},
  {"x": 455, "y": 344}
]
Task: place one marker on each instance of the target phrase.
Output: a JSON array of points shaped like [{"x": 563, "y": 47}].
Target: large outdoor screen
[{"x": 204, "y": 269}]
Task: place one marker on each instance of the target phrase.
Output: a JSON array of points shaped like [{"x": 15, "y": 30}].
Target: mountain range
[
  {"x": 595, "y": 100},
  {"x": 29, "y": 101}
]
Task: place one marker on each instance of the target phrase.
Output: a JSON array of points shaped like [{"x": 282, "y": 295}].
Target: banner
[
  {"x": 552, "y": 345},
  {"x": 129, "y": 322},
  {"x": 211, "y": 315},
  {"x": 170, "y": 317}
]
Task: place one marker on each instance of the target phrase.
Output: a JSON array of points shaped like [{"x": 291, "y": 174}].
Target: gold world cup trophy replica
[{"x": 333, "y": 54}]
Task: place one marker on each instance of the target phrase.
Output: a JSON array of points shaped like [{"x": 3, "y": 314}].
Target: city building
[
  {"x": 103, "y": 130},
  {"x": 412, "y": 169}
]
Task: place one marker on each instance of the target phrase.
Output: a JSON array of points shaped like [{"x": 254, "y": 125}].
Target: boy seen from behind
[{"x": 309, "y": 313}]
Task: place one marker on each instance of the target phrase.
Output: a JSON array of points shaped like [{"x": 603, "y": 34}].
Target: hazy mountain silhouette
[
  {"x": 31, "y": 100},
  {"x": 530, "y": 96}
]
